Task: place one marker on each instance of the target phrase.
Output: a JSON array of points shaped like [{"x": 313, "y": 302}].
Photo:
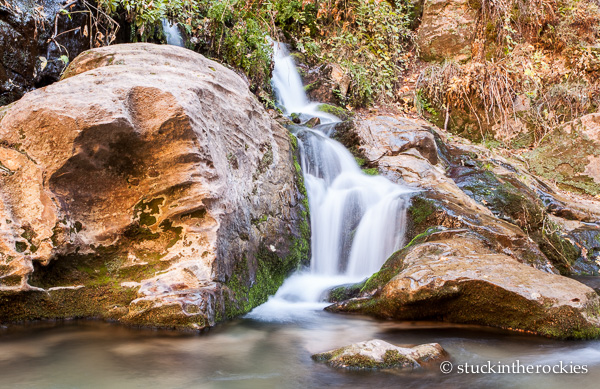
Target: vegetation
[
  {"x": 368, "y": 38},
  {"x": 537, "y": 68}
]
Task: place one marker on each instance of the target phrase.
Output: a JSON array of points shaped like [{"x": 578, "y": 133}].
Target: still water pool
[{"x": 250, "y": 353}]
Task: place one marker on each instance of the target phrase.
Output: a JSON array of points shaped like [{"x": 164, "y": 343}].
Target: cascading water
[
  {"x": 172, "y": 33},
  {"x": 357, "y": 220}
]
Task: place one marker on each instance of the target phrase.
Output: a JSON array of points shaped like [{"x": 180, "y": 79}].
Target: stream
[{"x": 357, "y": 221}]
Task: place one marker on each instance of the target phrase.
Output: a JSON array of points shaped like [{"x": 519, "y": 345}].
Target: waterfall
[
  {"x": 172, "y": 33},
  {"x": 357, "y": 220}
]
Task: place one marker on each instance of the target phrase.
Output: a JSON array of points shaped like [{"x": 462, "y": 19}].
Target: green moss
[
  {"x": 345, "y": 292},
  {"x": 261, "y": 220},
  {"x": 358, "y": 361},
  {"x": 392, "y": 358},
  {"x": 144, "y": 211},
  {"x": 341, "y": 113},
  {"x": 420, "y": 238},
  {"x": 420, "y": 209},
  {"x": 96, "y": 301},
  {"x": 167, "y": 227},
  {"x": 563, "y": 157},
  {"x": 20, "y": 247},
  {"x": 12, "y": 280},
  {"x": 371, "y": 171}
]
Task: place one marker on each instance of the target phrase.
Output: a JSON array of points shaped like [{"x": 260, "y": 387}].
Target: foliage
[
  {"x": 538, "y": 69},
  {"x": 554, "y": 24},
  {"x": 368, "y": 38}
]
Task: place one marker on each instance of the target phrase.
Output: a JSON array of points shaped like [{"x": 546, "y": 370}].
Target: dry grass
[{"x": 542, "y": 68}]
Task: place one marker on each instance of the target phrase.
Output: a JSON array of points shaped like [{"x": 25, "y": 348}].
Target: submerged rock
[
  {"x": 378, "y": 354},
  {"x": 154, "y": 178}
]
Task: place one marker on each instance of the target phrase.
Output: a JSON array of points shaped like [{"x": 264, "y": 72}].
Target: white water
[
  {"x": 357, "y": 220},
  {"x": 172, "y": 33}
]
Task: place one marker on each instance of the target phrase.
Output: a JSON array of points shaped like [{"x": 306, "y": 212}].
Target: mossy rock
[
  {"x": 340, "y": 112},
  {"x": 568, "y": 158},
  {"x": 457, "y": 278}
]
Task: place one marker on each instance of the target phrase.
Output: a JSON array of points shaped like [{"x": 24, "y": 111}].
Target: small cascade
[
  {"x": 172, "y": 33},
  {"x": 357, "y": 220}
]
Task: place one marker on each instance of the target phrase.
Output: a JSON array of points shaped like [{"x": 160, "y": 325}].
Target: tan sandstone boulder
[
  {"x": 149, "y": 186},
  {"x": 454, "y": 277}
]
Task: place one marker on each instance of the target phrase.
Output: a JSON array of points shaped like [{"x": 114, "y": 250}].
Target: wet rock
[
  {"x": 515, "y": 196},
  {"x": 344, "y": 292},
  {"x": 413, "y": 153},
  {"x": 587, "y": 238},
  {"x": 389, "y": 136},
  {"x": 154, "y": 178},
  {"x": 454, "y": 276},
  {"x": 29, "y": 57},
  {"x": 378, "y": 354},
  {"x": 313, "y": 122},
  {"x": 447, "y": 30},
  {"x": 326, "y": 83}
]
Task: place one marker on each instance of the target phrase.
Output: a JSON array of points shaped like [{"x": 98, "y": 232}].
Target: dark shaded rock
[
  {"x": 313, "y": 122},
  {"x": 30, "y": 59}
]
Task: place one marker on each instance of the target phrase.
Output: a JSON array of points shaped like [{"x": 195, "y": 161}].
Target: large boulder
[
  {"x": 487, "y": 238},
  {"x": 447, "y": 30},
  {"x": 148, "y": 186},
  {"x": 414, "y": 153},
  {"x": 453, "y": 276},
  {"x": 36, "y": 43}
]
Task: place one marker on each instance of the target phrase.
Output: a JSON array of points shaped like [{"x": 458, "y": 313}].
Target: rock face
[
  {"x": 485, "y": 236},
  {"x": 326, "y": 83},
  {"x": 29, "y": 57},
  {"x": 571, "y": 155},
  {"x": 453, "y": 276},
  {"x": 153, "y": 178},
  {"x": 447, "y": 30},
  {"x": 377, "y": 354}
]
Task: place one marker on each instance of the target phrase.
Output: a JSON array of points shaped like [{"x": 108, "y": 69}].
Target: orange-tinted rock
[{"x": 163, "y": 165}]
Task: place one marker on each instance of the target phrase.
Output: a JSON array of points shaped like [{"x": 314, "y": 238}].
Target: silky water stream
[{"x": 357, "y": 221}]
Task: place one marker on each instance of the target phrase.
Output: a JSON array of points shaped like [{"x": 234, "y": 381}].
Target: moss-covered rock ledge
[
  {"x": 150, "y": 187},
  {"x": 453, "y": 275}
]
